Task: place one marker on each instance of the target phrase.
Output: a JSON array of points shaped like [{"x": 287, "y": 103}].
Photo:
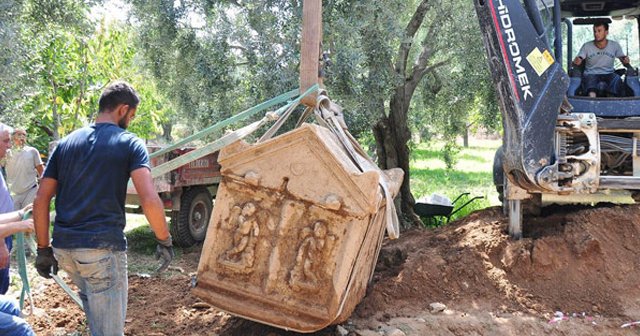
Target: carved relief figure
[
  {"x": 242, "y": 252},
  {"x": 309, "y": 257}
]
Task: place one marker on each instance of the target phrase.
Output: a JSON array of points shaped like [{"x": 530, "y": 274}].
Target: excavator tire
[
  {"x": 498, "y": 173},
  {"x": 189, "y": 224}
]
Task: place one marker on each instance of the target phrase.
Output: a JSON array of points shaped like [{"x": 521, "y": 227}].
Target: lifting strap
[
  {"x": 329, "y": 115},
  {"x": 25, "y": 293},
  {"x": 240, "y": 116},
  {"x": 232, "y": 136},
  {"x": 22, "y": 270}
]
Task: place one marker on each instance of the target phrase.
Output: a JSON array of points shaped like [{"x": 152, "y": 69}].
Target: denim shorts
[{"x": 101, "y": 276}]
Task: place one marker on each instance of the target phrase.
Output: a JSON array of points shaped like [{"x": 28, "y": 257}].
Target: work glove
[
  {"x": 164, "y": 253},
  {"x": 46, "y": 263}
]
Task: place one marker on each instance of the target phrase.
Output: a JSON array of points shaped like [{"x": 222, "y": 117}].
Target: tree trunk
[
  {"x": 465, "y": 136},
  {"x": 54, "y": 112},
  {"x": 166, "y": 131},
  {"x": 392, "y": 135},
  {"x": 400, "y": 134}
]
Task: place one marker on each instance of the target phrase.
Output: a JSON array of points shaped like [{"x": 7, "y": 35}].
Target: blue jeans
[
  {"x": 10, "y": 321},
  {"x": 4, "y": 273},
  {"x": 101, "y": 276},
  {"x": 612, "y": 81}
]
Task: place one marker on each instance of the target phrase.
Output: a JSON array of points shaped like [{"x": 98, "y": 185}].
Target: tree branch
[
  {"x": 415, "y": 79},
  {"x": 233, "y": 46},
  {"x": 410, "y": 32}
]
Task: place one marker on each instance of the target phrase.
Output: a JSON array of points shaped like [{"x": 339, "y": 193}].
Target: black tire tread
[{"x": 179, "y": 227}]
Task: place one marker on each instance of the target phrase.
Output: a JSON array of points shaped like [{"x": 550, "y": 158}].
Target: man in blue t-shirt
[
  {"x": 88, "y": 173},
  {"x": 598, "y": 56}
]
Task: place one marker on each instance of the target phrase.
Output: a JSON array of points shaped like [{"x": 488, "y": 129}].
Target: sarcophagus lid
[{"x": 295, "y": 231}]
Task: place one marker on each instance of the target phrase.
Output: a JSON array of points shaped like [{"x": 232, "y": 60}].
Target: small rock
[
  {"x": 342, "y": 331},
  {"x": 421, "y": 320},
  {"x": 437, "y": 307},
  {"x": 201, "y": 305}
]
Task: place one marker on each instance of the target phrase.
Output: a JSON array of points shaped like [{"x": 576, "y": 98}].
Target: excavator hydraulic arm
[{"x": 530, "y": 84}]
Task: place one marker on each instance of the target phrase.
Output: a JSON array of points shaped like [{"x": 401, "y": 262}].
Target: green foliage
[
  {"x": 9, "y": 57},
  {"x": 141, "y": 240},
  {"x": 461, "y": 92},
  {"x": 450, "y": 154},
  {"x": 66, "y": 61}
]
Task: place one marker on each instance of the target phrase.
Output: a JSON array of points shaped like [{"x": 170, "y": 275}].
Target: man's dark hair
[
  {"x": 118, "y": 93},
  {"x": 603, "y": 24}
]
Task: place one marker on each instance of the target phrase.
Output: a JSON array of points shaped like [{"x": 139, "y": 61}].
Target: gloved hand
[
  {"x": 164, "y": 253},
  {"x": 46, "y": 263}
]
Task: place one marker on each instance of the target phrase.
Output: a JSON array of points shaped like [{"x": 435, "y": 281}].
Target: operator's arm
[
  {"x": 625, "y": 60},
  {"x": 151, "y": 203},
  {"x": 41, "y": 219},
  {"x": 582, "y": 54},
  {"x": 577, "y": 61}
]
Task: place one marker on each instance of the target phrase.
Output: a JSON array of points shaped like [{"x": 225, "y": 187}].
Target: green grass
[{"x": 472, "y": 173}]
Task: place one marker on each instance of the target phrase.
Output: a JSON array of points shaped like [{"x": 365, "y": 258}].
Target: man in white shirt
[
  {"x": 598, "y": 56},
  {"x": 24, "y": 168}
]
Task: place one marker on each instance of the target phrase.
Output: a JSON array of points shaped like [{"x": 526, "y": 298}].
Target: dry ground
[{"x": 583, "y": 263}]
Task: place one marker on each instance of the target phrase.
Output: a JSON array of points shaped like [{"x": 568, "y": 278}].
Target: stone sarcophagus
[{"x": 295, "y": 231}]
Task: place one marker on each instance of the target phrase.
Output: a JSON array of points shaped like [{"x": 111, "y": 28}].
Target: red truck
[{"x": 187, "y": 193}]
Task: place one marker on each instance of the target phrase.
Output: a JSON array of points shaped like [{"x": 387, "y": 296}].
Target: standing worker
[
  {"x": 88, "y": 172},
  {"x": 24, "y": 168},
  {"x": 6, "y": 205}
]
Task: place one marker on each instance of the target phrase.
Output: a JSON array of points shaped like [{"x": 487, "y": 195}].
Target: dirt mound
[
  {"x": 582, "y": 262},
  {"x": 579, "y": 261}
]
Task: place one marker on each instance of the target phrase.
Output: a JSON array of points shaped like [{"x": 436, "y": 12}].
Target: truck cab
[{"x": 559, "y": 141}]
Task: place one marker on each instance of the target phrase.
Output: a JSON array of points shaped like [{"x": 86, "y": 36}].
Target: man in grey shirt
[
  {"x": 598, "y": 56},
  {"x": 24, "y": 168}
]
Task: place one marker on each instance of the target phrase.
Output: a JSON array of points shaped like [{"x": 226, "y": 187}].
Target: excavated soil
[{"x": 576, "y": 272}]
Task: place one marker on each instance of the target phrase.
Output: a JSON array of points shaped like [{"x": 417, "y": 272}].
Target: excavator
[{"x": 559, "y": 143}]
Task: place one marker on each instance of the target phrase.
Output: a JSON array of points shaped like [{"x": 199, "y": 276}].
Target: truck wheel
[
  {"x": 189, "y": 224},
  {"x": 498, "y": 173}
]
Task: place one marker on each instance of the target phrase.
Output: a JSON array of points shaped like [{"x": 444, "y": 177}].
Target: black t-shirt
[{"x": 92, "y": 166}]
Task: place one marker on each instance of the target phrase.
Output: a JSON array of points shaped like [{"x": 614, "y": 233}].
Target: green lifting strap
[
  {"x": 221, "y": 142},
  {"x": 22, "y": 270},
  {"x": 240, "y": 116}
]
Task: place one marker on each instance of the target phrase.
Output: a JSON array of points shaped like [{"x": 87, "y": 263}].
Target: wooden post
[{"x": 310, "y": 48}]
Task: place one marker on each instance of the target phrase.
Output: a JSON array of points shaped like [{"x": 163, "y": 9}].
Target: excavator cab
[
  {"x": 558, "y": 142},
  {"x": 578, "y": 30}
]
